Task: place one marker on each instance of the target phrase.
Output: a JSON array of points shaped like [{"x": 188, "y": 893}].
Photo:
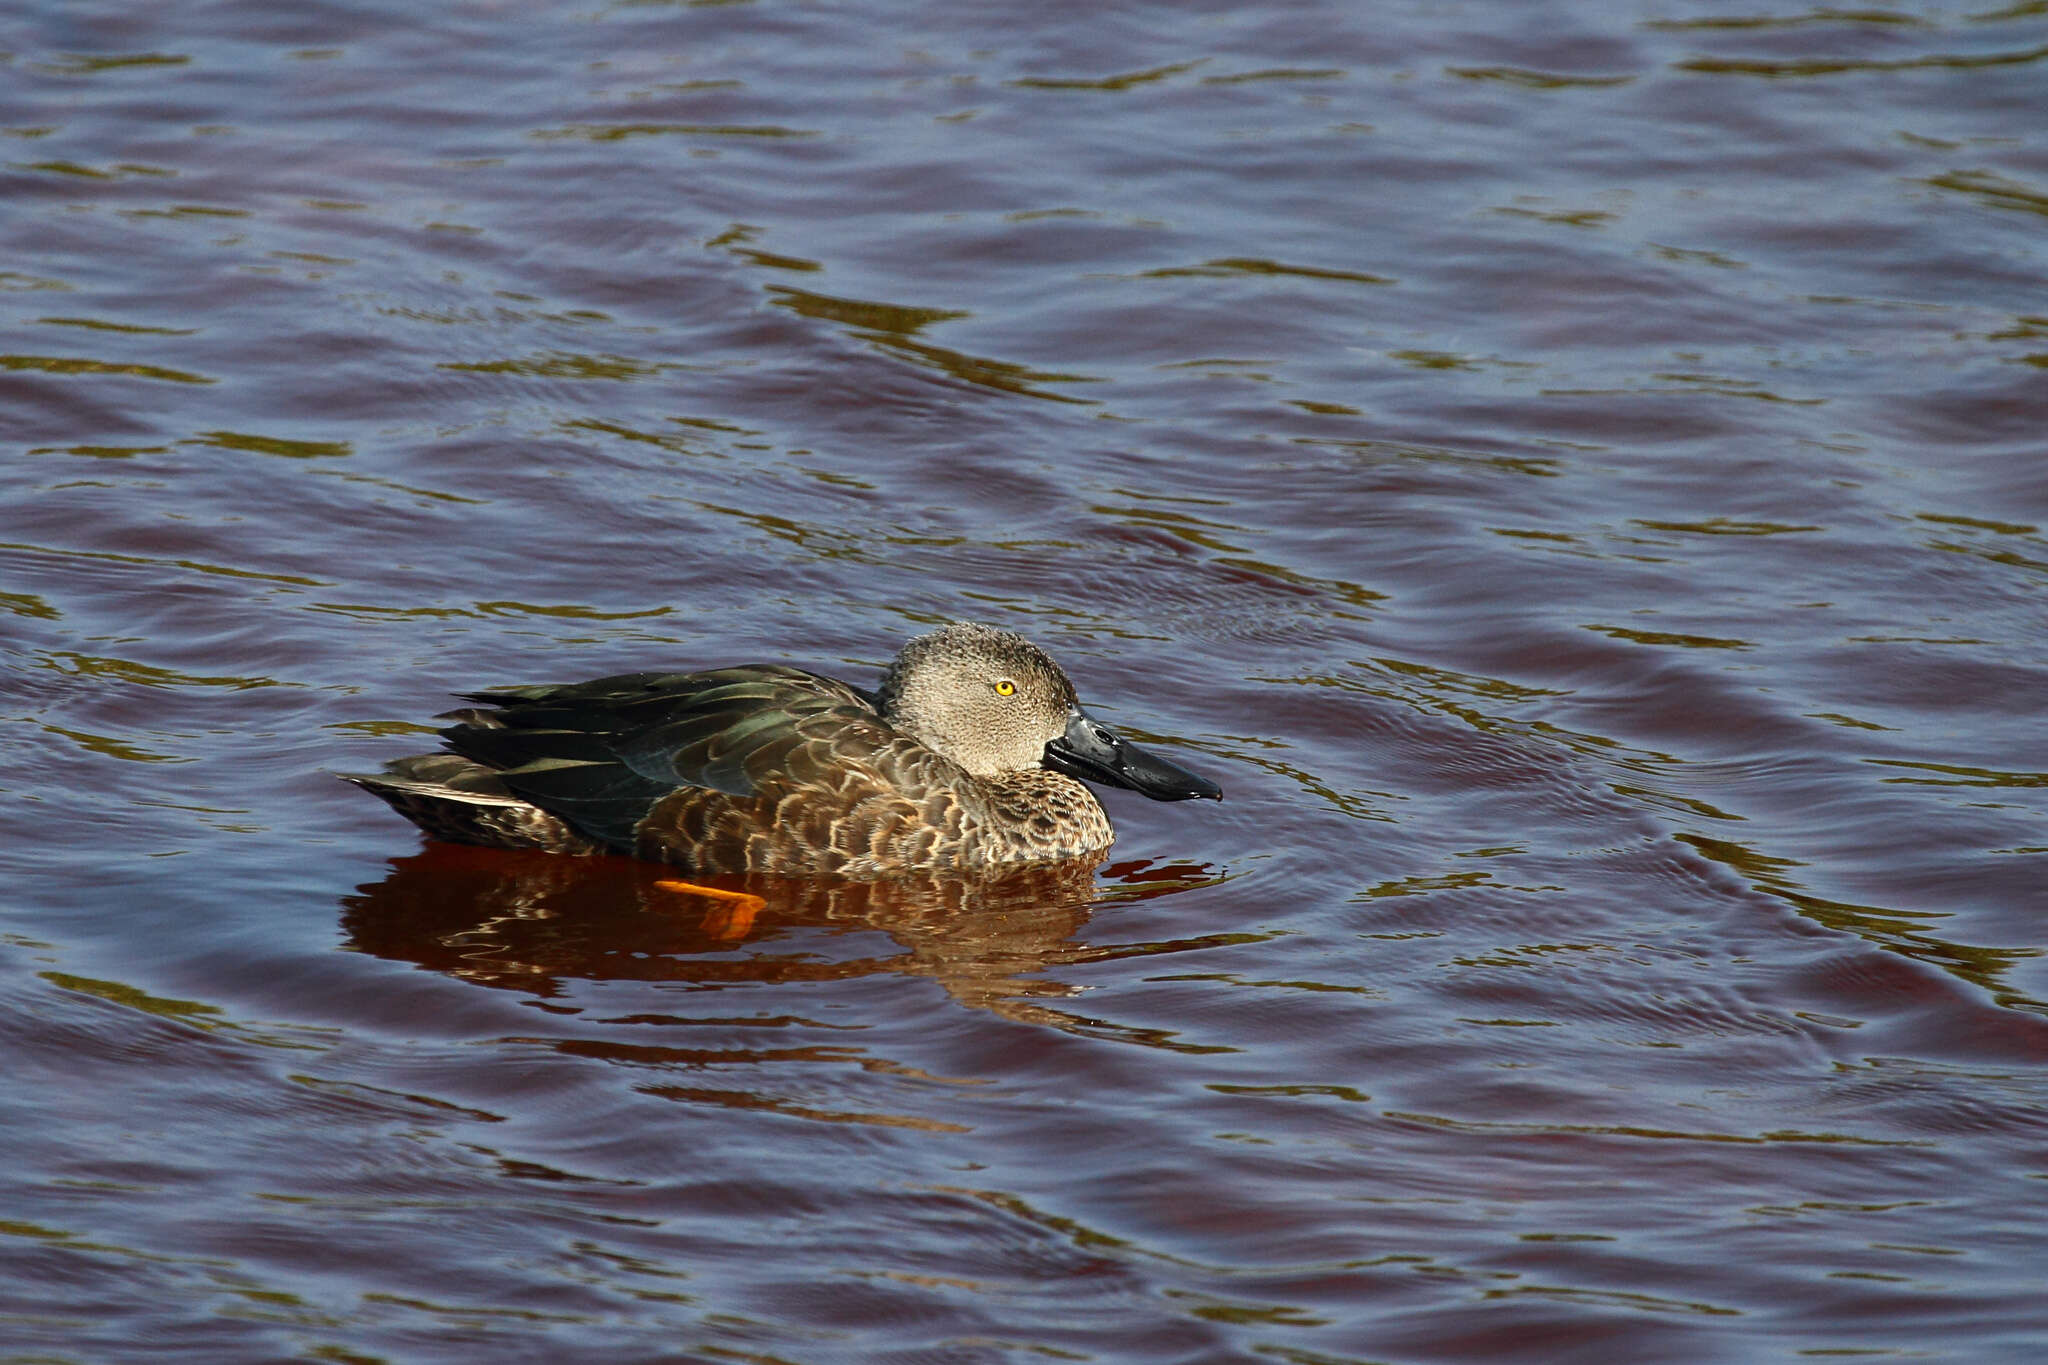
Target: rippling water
[{"x": 1574, "y": 472}]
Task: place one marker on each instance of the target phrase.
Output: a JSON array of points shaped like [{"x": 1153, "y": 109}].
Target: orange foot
[{"x": 729, "y": 920}]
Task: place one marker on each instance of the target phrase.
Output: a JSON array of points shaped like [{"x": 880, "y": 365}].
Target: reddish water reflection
[{"x": 525, "y": 921}]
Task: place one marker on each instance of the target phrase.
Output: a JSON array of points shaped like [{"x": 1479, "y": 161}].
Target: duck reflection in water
[{"x": 531, "y": 922}]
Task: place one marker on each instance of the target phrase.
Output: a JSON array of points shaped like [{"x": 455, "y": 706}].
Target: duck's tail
[{"x": 462, "y": 801}]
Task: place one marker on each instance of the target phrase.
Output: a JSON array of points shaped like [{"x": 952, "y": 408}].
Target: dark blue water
[{"x": 1574, "y": 473}]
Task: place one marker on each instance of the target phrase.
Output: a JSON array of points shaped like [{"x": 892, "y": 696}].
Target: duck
[{"x": 973, "y": 753}]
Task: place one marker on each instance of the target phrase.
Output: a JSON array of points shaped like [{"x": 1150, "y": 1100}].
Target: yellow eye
[{"x": 1005, "y": 688}]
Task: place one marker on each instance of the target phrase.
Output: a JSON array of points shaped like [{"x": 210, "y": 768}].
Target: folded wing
[{"x": 601, "y": 754}]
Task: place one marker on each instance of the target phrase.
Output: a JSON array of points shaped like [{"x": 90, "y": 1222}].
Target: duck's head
[{"x": 995, "y": 703}]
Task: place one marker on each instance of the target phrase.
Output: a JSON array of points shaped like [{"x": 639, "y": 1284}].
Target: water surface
[{"x": 1573, "y": 472}]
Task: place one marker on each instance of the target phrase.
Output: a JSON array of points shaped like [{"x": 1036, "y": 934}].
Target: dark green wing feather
[{"x": 601, "y": 754}]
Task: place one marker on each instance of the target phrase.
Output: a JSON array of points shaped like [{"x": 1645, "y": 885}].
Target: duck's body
[{"x": 961, "y": 760}]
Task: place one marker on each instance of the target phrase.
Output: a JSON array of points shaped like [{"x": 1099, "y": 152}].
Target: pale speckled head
[
  {"x": 995, "y": 703},
  {"x": 985, "y": 698}
]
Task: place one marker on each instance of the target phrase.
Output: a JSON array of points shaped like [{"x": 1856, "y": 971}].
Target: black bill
[{"x": 1092, "y": 751}]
